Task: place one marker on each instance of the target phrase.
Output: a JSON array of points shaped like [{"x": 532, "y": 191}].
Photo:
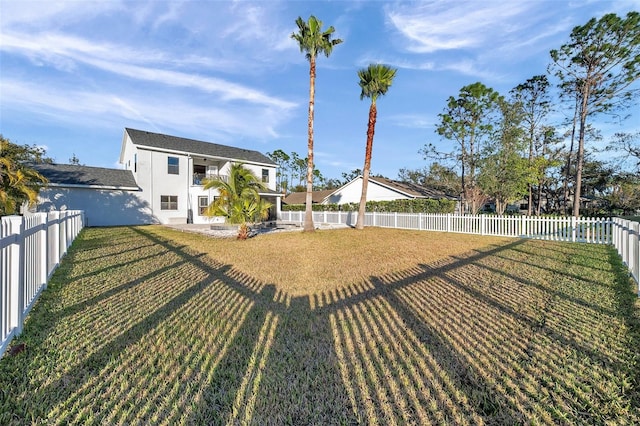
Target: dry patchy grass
[
  {"x": 313, "y": 263},
  {"x": 153, "y": 326}
]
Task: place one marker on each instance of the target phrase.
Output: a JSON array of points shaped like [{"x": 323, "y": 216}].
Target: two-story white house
[
  {"x": 170, "y": 171},
  {"x": 162, "y": 181}
]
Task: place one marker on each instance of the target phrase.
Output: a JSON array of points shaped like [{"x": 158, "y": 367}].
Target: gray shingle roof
[
  {"x": 68, "y": 174},
  {"x": 301, "y": 197},
  {"x": 412, "y": 189},
  {"x": 174, "y": 143}
]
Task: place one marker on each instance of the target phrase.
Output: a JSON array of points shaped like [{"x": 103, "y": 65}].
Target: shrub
[{"x": 418, "y": 205}]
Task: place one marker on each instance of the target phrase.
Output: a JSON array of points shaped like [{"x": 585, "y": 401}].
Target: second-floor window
[
  {"x": 265, "y": 175},
  {"x": 173, "y": 165}
]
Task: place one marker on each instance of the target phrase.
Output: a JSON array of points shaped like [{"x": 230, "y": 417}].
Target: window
[
  {"x": 203, "y": 203},
  {"x": 168, "y": 202},
  {"x": 173, "y": 165},
  {"x": 265, "y": 175},
  {"x": 135, "y": 163}
]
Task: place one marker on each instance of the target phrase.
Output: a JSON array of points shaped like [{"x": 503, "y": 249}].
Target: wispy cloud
[
  {"x": 65, "y": 52},
  {"x": 413, "y": 121},
  {"x": 446, "y": 25},
  {"x": 104, "y": 108}
]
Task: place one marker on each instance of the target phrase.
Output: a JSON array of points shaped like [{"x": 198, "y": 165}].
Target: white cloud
[
  {"x": 413, "y": 121},
  {"x": 446, "y": 25},
  {"x": 65, "y": 52},
  {"x": 103, "y": 109}
]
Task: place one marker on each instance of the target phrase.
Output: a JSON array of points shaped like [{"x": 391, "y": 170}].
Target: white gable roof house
[
  {"x": 162, "y": 181},
  {"x": 382, "y": 189}
]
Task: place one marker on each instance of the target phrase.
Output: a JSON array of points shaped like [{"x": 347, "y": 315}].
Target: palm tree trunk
[
  {"x": 308, "y": 211},
  {"x": 373, "y": 112}
]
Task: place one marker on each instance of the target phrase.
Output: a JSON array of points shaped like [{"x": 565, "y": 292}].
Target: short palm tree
[
  {"x": 239, "y": 200},
  {"x": 18, "y": 183},
  {"x": 374, "y": 81},
  {"x": 313, "y": 40}
]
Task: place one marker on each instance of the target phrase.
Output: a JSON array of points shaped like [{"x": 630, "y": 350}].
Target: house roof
[
  {"x": 73, "y": 175},
  {"x": 192, "y": 146},
  {"x": 300, "y": 197},
  {"x": 411, "y": 189}
]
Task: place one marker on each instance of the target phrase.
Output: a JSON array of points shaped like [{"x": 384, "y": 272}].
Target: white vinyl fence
[
  {"x": 626, "y": 241},
  {"x": 623, "y": 234},
  {"x": 31, "y": 247},
  {"x": 589, "y": 230}
]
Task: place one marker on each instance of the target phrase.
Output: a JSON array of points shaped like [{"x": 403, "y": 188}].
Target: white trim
[
  {"x": 79, "y": 185},
  {"x": 196, "y": 154}
]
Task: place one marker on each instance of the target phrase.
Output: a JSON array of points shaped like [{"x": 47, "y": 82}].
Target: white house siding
[
  {"x": 352, "y": 192},
  {"x": 102, "y": 207},
  {"x": 149, "y": 167}
]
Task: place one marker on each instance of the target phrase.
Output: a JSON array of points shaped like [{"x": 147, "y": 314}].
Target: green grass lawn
[{"x": 153, "y": 326}]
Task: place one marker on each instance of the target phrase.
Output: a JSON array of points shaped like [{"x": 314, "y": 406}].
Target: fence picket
[{"x": 31, "y": 247}]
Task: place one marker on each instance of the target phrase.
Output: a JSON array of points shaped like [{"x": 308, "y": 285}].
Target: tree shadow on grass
[
  {"x": 628, "y": 308},
  {"x": 453, "y": 342}
]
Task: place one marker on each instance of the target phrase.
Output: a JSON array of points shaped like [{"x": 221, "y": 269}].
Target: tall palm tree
[
  {"x": 374, "y": 81},
  {"x": 313, "y": 40},
  {"x": 239, "y": 200}
]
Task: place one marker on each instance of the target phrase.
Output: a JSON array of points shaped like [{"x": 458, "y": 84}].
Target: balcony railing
[{"x": 199, "y": 178}]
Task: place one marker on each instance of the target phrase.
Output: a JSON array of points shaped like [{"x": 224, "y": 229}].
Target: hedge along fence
[{"x": 418, "y": 205}]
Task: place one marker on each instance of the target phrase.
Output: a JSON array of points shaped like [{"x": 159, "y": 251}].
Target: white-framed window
[
  {"x": 135, "y": 163},
  {"x": 203, "y": 203},
  {"x": 265, "y": 175},
  {"x": 173, "y": 165},
  {"x": 168, "y": 202}
]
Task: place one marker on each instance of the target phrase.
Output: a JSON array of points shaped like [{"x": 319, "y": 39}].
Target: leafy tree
[
  {"x": 312, "y": 40},
  {"x": 468, "y": 122},
  {"x": 629, "y": 143},
  {"x": 282, "y": 159},
  {"x": 74, "y": 160},
  {"x": 532, "y": 97},
  {"x": 624, "y": 197},
  {"x": 598, "y": 65},
  {"x": 239, "y": 200},
  {"x": 348, "y": 177},
  {"x": 505, "y": 174},
  {"x": 547, "y": 157},
  {"x": 375, "y": 80},
  {"x": 19, "y": 183},
  {"x": 437, "y": 176}
]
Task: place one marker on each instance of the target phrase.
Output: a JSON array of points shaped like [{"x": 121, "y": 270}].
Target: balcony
[{"x": 199, "y": 178}]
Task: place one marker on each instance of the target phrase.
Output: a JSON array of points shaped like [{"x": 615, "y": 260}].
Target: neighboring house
[
  {"x": 109, "y": 197},
  {"x": 162, "y": 181},
  {"x": 170, "y": 172},
  {"x": 379, "y": 189},
  {"x": 382, "y": 189}
]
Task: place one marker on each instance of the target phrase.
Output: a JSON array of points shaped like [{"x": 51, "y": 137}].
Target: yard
[{"x": 150, "y": 325}]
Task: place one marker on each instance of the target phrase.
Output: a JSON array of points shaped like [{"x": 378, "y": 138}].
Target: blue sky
[{"x": 74, "y": 74}]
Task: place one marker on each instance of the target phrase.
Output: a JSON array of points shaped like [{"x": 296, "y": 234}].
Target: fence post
[
  {"x": 54, "y": 246},
  {"x": 483, "y": 224},
  {"x": 395, "y": 220},
  {"x": 634, "y": 247},
  {"x": 448, "y": 222},
  {"x": 43, "y": 260},
  {"x": 419, "y": 221},
  {"x": 574, "y": 230},
  {"x": 16, "y": 277}
]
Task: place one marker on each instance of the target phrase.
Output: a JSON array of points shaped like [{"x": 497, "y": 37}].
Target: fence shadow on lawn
[{"x": 467, "y": 340}]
